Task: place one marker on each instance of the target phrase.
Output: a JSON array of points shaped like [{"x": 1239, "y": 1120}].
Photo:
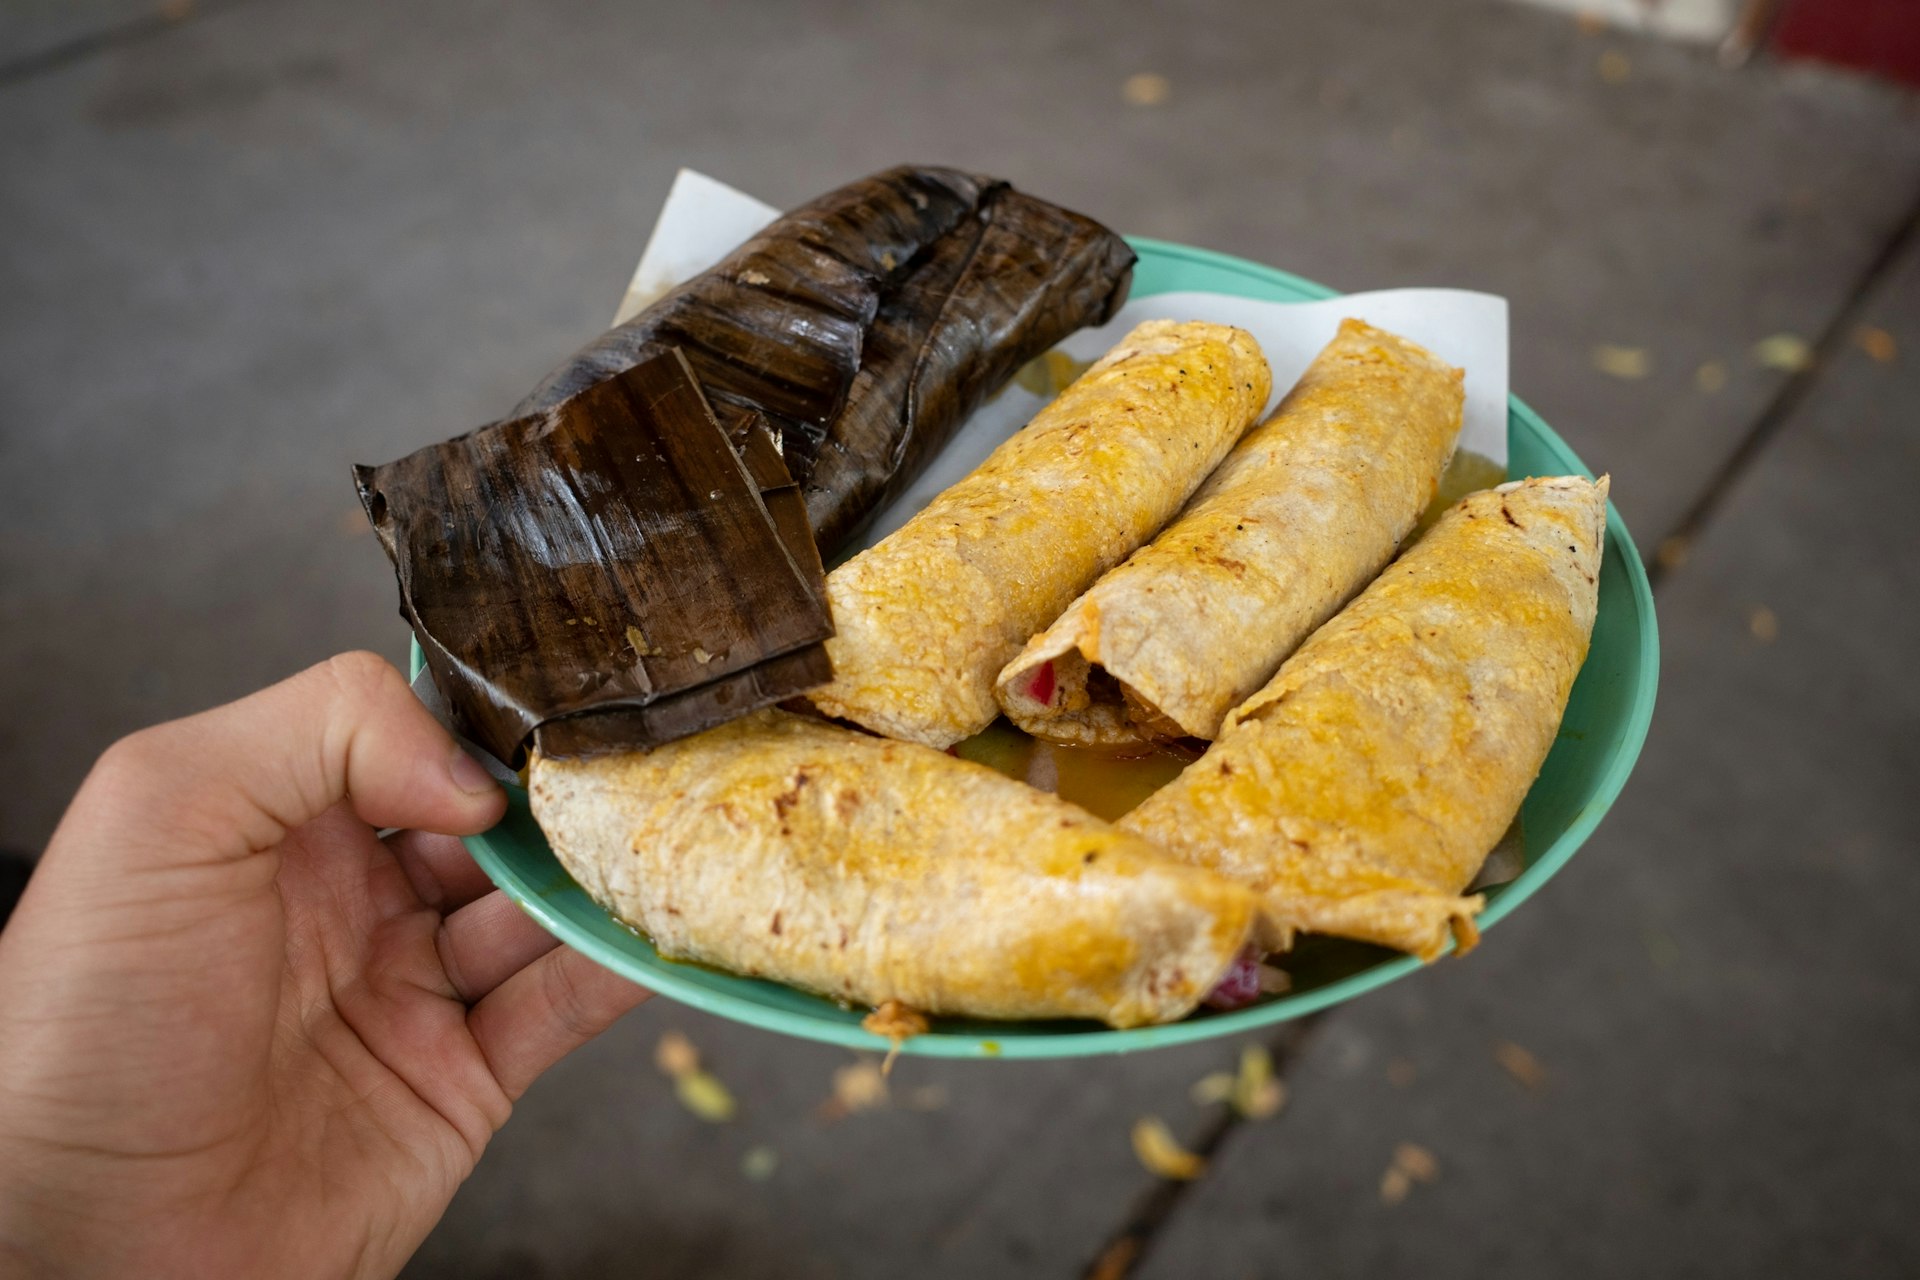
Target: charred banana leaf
[
  {"x": 612, "y": 551},
  {"x": 868, "y": 324}
]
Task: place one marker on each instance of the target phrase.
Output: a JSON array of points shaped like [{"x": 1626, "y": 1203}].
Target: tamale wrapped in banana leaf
[
  {"x": 611, "y": 552},
  {"x": 753, "y": 440},
  {"x": 868, "y": 324},
  {"x": 678, "y": 714}
]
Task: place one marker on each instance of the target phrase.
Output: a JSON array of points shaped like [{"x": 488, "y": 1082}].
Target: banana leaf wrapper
[
  {"x": 759, "y": 449},
  {"x": 612, "y": 552},
  {"x": 869, "y": 324},
  {"x": 866, "y": 870},
  {"x": 1360, "y": 791},
  {"x": 690, "y": 711}
]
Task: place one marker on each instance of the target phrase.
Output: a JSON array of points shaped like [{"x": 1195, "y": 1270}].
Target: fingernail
[{"x": 469, "y": 776}]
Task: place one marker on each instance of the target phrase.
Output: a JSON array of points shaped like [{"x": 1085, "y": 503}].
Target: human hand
[{"x": 241, "y": 1035}]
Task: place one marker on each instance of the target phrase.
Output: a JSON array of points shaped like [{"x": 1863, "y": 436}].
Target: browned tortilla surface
[
  {"x": 926, "y": 619},
  {"x": 1302, "y": 513},
  {"x": 869, "y": 870},
  {"x": 1360, "y": 790}
]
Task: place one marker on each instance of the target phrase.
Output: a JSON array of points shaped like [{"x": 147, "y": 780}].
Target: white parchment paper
[{"x": 703, "y": 220}]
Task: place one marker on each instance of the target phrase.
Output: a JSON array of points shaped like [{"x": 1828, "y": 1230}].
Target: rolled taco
[
  {"x": 1303, "y": 513},
  {"x": 1360, "y": 790},
  {"x": 926, "y": 619},
  {"x": 866, "y": 870}
]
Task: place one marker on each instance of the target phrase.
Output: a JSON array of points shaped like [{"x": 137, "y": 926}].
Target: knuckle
[
  {"x": 361, "y": 680},
  {"x": 361, "y": 674},
  {"x": 131, "y": 776},
  {"x": 134, "y": 756},
  {"x": 571, "y": 1006}
]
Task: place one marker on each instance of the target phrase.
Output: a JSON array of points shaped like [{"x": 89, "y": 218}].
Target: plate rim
[{"x": 1096, "y": 1040}]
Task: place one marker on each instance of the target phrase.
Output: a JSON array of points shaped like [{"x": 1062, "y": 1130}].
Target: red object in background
[{"x": 1881, "y": 36}]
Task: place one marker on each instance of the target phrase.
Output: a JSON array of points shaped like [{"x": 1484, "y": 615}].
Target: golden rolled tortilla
[
  {"x": 1303, "y": 513},
  {"x": 869, "y": 870},
  {"x": 927, "y": 618},
  {"x": 1361, "y": 789}
]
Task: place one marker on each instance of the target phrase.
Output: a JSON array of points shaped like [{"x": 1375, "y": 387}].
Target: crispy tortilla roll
[
  {"x": 1361, "y": 789},
  {"x": 867, "y": 870},
  {"x": 1302, "y": 514},
  {"x": 927, "y": 618}
]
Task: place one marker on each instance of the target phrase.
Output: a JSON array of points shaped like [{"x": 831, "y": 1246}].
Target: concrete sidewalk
[{"x": 251, "y": 245}]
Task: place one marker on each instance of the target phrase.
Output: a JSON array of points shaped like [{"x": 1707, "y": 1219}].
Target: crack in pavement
[
  {"x": 1123, "y": 1251},
  {"x": 1793, "y": 392},
  {"x": 1125, "y": 1248}
]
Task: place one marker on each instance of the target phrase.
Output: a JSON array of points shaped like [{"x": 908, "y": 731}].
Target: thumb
[{"x": 234, "y": 780}]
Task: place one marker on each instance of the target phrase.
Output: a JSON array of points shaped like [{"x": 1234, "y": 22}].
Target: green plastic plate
[{"x": 1606, "y": 722}]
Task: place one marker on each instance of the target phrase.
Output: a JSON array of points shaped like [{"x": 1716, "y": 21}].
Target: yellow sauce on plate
[{"x": 1105, "y": 783}]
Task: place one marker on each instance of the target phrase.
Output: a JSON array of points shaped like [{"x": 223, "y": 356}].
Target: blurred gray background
[{"x": 245, "y": 244}]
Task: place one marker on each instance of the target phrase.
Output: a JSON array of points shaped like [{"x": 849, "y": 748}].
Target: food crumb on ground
[
  {"x": 1519, "y": 1063},
  {"x": 1764, "y": 624},
  {"x": 759, "y": 1163},
  {"x": 1785, "y": 352},
  {"x": 858, "y": 1086},
  {"x": 1673, "y": 552},
  {"x": 1411, "y": 1163},
  {"x": 1877, "y": 342},
  {"x": 698, "y": 1091},
  {"x": 1147, "y": 89},
  {"x": 1253, "y": 1090},
  {"x": 1257, "y": 1092},
  {"x": 675, "y": 1055},
  {"x": 704, "y": 1096},
  {"x": 1710, "y": 377},
  {"x": 1614, "y": 67},
  {"x": 1417, "y": 1161},
  {"x": 1629, "y": 363},
  {"x": 1215, "y": 1086},
  {"x": 1162, "y": 1154}
]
